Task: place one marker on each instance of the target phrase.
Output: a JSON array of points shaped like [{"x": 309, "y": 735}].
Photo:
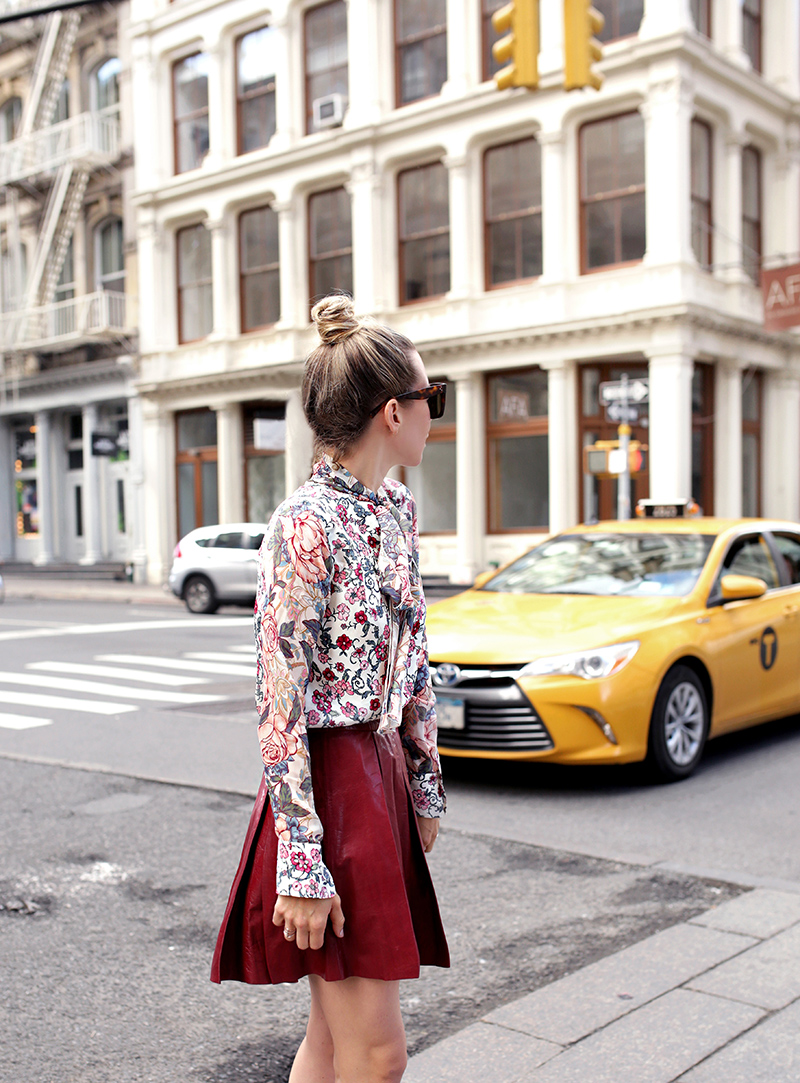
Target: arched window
[
  {"x": 105, "y": 86},
  {"x": 10, "y": 112},
  {"x": 110, "y": 258}
]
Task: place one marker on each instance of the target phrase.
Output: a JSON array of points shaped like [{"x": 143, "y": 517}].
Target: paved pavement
[
  {"x": 86, "y": 590},
  {"x": 714, "y": 998}
]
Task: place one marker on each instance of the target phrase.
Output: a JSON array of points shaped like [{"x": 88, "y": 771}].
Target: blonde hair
[{"x": 358, "y": 365}]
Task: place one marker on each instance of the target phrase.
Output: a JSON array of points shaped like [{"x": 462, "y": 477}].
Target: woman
[{"x": 333, "y": 881}]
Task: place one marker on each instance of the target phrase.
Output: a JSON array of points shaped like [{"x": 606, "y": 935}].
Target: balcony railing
[
  {"x": 64, "y": 324},
  {"x": 90, "y": 139}
]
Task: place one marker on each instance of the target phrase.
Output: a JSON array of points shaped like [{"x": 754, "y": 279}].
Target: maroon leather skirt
[{"x": 372, "y": 847}]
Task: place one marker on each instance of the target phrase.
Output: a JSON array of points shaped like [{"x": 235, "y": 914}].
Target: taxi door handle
[{"x": 790, "y": 611}]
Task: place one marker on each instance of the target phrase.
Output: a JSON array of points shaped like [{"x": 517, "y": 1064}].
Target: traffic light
[
  {"x": 581, "y": 47},
  {"x": 520, "y": 46},
  {"x": 606, "y": 459}
]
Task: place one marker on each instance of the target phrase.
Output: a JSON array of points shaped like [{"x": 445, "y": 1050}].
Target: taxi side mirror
[
  {"x": 484, "y": 577},
  {"x": 736, "y": 588}
]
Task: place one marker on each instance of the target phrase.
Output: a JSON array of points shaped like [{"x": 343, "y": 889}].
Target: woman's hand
[
  {"x": 428, "y": 830},
  {"x": 304, "y": 920}
]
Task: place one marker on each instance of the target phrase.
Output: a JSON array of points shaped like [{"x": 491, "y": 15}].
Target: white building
[
  {"x": 68, "y": 442},
  {"x": 533, "y": 245}
]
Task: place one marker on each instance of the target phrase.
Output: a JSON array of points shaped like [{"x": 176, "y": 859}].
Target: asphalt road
[{"x": 120, "y": 834}]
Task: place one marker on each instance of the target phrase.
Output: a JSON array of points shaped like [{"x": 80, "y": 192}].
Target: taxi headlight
[{"x": 590, "y": 665}]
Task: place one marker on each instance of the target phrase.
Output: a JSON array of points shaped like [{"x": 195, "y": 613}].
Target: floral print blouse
[{"x": 340, "y": 638}]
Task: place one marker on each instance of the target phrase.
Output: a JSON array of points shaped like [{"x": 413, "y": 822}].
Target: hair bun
[{"x": 335, "y": 318}]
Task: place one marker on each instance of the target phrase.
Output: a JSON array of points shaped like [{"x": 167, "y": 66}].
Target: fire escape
[{"x": 56, "y": 159}]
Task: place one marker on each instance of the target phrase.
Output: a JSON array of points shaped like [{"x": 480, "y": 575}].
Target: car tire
[
  {"x": 679, "y": 725},
  {"x": 198, "y": 593}
]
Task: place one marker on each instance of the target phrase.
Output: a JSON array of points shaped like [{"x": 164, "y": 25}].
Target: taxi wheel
[
  {"x": 199, "y": 595},
  {"x": 679, "y": 726}
]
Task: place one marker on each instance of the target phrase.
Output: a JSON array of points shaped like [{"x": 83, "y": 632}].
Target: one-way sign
[
  {"x": 618, "y": 411},
  {"x": 634, "y": 391}
]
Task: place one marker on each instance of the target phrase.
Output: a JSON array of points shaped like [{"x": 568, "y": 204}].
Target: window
[
  {"x": 10, "y": 113},
  {"x": 190, "y": 104},
  {"x": 433, "y": 482},
  {"x": 105, "y": 86},
  {"x": 751, "y": 556},
  {"x": 701, "y": 193},
  {"x": 110, "y": 257},
  {"x": 751, "y": 213},
  {"x": 488, "y": 37},
  {"x": 701, "y": 14},
  {"x": 330, "y": 244},
  {"x": 518, "y": 457},
  {"x": 14, "y": 267},
  {"x": 612, "y": 191},
  {"x": 751, "y": 442},
  {"x": 255, "y": 89},
  {"x": 259, "y": 279},
  {"x": 265, "y": 459},
  {"x": 62, "y": 105},
  {"x": 326, "y": 56},
  {"x": 424, "y": 232},
  {"x": 513, "y": 215},
  {"x": 63, "y": 319},
  {"x": 195, "y": 318},
  {"x": 788, "y": 545},
  {"x": 420, "y": 48},
  {"x": 751, "y": 31},
  {"x": 703, "y": 437},
  {"x": 622, "y": 18},
  {"x": 196, "y": 465},
  {"x": 27, "y": 504}
]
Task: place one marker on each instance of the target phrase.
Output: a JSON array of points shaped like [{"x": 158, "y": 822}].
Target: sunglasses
[{"x": 433, "y": 394}]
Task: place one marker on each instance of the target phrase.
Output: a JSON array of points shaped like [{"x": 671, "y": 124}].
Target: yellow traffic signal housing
[
  {"x": 520, "y": 46},
  {"x": 581, "y": 47},
  {"x": 602, "y": 459}
]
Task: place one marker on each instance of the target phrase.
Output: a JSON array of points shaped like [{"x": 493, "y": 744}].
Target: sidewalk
[
  {"x": 18, "y": 587},
  {"x": 714, "y": 1000}
]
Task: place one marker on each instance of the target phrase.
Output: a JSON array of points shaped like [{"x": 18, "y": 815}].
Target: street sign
[
  {"x": 619, "y": 412},
  {"x": 104, "y": 443},
  {"x": 634, "y": 391}
]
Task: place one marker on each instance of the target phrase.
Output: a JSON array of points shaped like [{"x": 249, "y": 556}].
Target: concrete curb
[
  {"x": 19, "y": 588},
  {"x": 715, "y": 998}
]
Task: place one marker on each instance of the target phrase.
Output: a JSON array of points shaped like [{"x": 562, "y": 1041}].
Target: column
[
  {"x": 136, "y": 500},
  {"x": 667, "y": 115},
  {"x": 44, "y": 489},
  {"x": 731, "y": 243},
  {"x": 665, "y": 17},
  {"x": 365, "y": 186},
  {"x": 470, "y": 478},
  {"x": 728, "y": 440},
  {"x": 299, "y": 443},
  {"x": 782, "y": 212},
  {"x": 562, "y": 462},
  {"x": 461, "y": 225},
  {"x": 91, "y": 490},
  {"x": 780, "y": 434},
  {"x": 363, "y": 70},
  {"x": 285, "y": 121},
  {"x": 290, "y": 285},
  {"x": 230, "y": 462},
  {"x": 223, "y": 300},
  {"x": 553, "y": 202},
  {"x": 670, "y": 432},
  {"x": 7, "y": 504},
  {"x": 463, "y": 28},
  {"x": 781, "y": 45},
  {"x": 217, "y": 106},
  {"x": 159, "y": 490}
]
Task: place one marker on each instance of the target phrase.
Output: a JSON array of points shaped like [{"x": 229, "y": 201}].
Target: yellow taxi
[{"x": 622, "y": 641}]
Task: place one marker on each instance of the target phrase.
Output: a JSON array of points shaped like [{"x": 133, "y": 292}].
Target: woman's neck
[{"x": 366, "y": 463}]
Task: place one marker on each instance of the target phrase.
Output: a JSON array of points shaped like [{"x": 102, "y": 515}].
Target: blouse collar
[{"x": 329, "y": 472}]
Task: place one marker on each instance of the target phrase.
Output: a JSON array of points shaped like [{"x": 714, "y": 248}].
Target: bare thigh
[{"x": 365, "y": 1024}]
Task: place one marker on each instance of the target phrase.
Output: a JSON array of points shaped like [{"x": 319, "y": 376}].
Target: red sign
[{"x": 781, "y": 289}]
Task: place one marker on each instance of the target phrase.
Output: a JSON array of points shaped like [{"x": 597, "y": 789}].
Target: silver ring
[{"x": 289, "y": 935}]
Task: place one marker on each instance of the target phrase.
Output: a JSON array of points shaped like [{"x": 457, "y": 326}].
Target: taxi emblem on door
[{"x": 768, "y": 648}]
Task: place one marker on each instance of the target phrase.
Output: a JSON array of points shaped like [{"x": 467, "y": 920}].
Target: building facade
[
  {"x": 533, "y": 246},
  {"x": 69, "y": 478}
]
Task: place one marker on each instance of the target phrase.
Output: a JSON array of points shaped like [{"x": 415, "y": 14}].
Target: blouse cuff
[
  {"x": 427, "y": 794},
  {"x": 301, "y": 872}
]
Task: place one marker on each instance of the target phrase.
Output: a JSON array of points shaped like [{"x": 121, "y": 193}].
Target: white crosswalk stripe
[
  {"x": 230, "y": 669},
  {"x": 144, "y": 675},
  {"x": 61, "y": 703},
  {"x": 243, "y": 649},
  {"x": 98, "y": 688},
  {"x": 215, "y": 656},
  {"x": 22, "y": 721}
]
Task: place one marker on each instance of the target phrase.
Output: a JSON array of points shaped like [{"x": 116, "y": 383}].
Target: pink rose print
[
  {"x": 344, "y": 643},
  {"x": 301, "y": 862},
  {"x": 269, "y": 630},
  {"x": 306, "y": 541},
  {"x": 276, "y": 744}
]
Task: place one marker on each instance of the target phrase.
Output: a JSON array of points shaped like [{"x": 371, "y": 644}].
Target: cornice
[{"x": 56, "y": 379}]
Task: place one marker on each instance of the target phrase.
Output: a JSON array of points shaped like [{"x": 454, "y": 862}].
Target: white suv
[{"x": 214, "y": 565}]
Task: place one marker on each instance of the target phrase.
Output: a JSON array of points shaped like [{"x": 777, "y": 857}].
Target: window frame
[
  {"x": 243, "y": 330},
  {"x": 12, "y": 103},
  {"x": 758, "y": 222},
  {"x": 314, "y": 294},
  {"x": 615, "y": 16},
  {"x": 498, "y": 430},
  {"x": 94, "y": 91},
  {"x": 514, "y": 216},
  {"x": 755, "y": 20},
  {"x": 704, "y": 425},
  {"x": 189, "y": 116},
  {"x": 401, "y": 240},
  {"x": 616, "y": 194},
  {"x": 179, "y": 288},
  {"x": 488, "y": 38},
  {"x": 251, "y": 96},
  {"x": 309, "y": 128},
  {"x": 706, "y": 203},
  {"x": 195, "y": 456},
  {"x": 98, "y": 251},
  {"x": 399, "y": 45},
  {"x": 703, "y": 15},
  {"x": 442, "y": 434},
  {"x": 249, "y": 451}
]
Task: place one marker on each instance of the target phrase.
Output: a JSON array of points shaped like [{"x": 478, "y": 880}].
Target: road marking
[
  {"x": 173, "y": 663},
  {"x": 215, "y": 656},
  {"x": 22, "y": 721},
  {"x": 98, "y": 688},
  {"x": 248, "y": 649},
  {"x": 172, "y": 679},
  {"x": 129, "y": 626},
  {"x": 59, "y": 703}
]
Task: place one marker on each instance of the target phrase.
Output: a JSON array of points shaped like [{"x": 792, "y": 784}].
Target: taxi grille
[{"x": 496, "y": 719}]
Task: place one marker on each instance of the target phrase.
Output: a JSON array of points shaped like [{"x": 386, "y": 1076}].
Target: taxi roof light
[{"x": 659, "y": 509}]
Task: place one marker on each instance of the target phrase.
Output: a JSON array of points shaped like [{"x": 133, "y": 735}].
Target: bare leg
[{"x": 314, "y": 1060}]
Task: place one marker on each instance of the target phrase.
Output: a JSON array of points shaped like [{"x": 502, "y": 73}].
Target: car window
[
  {"x": 788, "y": 545},
  {"x": 204, "y": 541},
  {"x": 253, "y": 541},
  {"x": 751, "y": 556},
  {"x": 233, "y": 540},
  {"x": 653, "y": 564}
]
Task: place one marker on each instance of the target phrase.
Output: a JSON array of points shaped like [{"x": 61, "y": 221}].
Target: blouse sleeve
[
  {"x": 418, "y": 734},
  {"x": 294, "y": 580}
]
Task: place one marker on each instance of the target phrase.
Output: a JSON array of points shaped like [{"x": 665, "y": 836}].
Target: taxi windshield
[{"x": 637, "y": 565}]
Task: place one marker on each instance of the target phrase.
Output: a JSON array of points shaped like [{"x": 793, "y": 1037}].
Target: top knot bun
[{"x": 335, "y": 318}]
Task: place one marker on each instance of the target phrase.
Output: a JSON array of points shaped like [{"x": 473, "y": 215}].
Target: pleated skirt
[{"x": 372, "y": 847}]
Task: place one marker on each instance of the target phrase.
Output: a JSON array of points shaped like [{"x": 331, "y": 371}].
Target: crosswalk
[{"x": 108, "y": 684}]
